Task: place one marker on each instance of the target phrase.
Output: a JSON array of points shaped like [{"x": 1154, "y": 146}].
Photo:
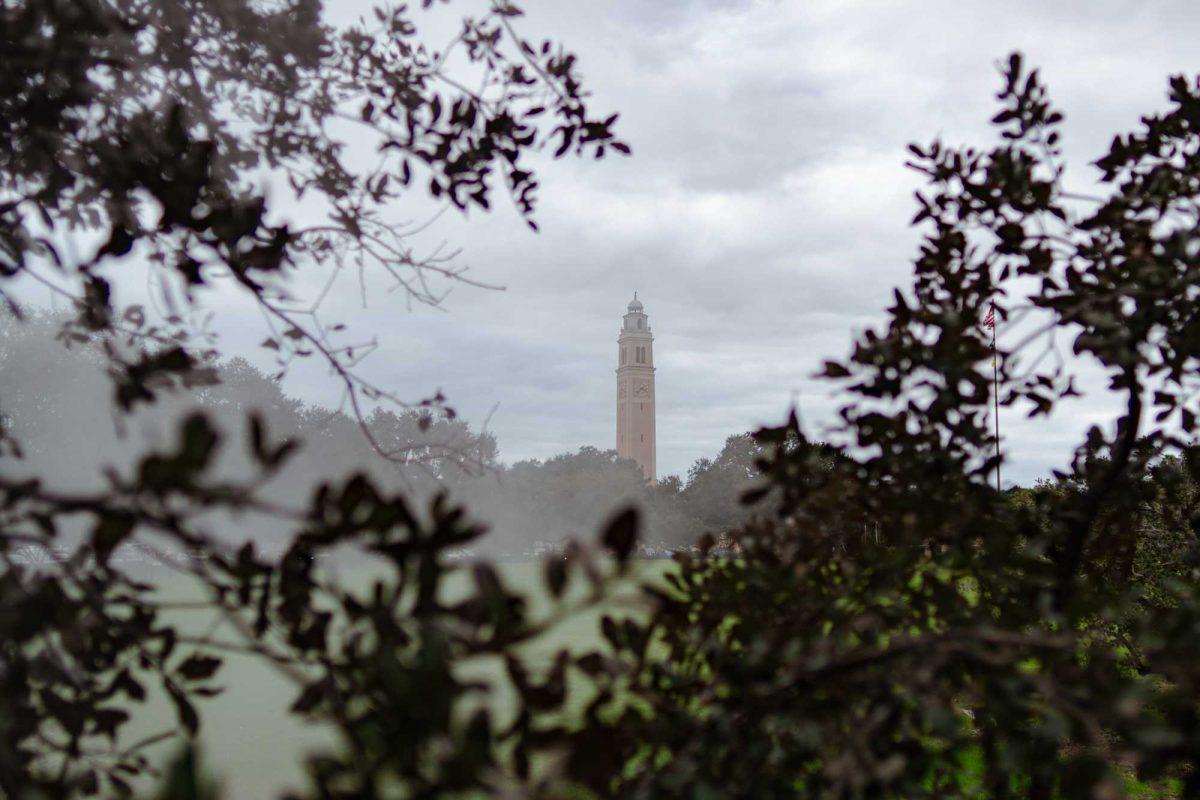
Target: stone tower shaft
[{"x": 635, "y": 389}]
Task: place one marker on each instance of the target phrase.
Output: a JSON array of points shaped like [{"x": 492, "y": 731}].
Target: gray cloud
[{"x": 763, "y": 217}]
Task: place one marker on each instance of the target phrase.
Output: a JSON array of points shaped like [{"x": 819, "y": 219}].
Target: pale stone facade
[{"x": 635, "y": 389}]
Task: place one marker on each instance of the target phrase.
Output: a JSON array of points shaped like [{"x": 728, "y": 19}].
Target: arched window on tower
[{"x": 639, "y": 324}]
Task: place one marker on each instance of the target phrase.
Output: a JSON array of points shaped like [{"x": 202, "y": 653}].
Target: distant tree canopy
[
  {"x": 710, "y": 481},
  {"x": 57, "y": 407},
  {"x": 567, "y": 495}
]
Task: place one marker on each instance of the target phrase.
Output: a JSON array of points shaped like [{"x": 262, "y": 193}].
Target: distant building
[{"x": 635, "y": 389}]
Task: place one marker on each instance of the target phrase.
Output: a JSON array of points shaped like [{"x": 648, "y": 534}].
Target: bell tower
[{"x": 635, "y": 389}]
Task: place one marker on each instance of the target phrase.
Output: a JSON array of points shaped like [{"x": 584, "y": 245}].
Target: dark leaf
[{"x": 620, "y": 534}]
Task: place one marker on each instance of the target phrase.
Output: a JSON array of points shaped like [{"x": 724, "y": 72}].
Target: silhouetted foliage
[
  {"x": 899, "y": 628},
  {"x": 891, "y": 620},
  {"x": 145, "y": 125},
  {"x": 135, "y": 133}
]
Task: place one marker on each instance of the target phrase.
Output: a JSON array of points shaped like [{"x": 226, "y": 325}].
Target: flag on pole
[{"x": 989, "y": 322}]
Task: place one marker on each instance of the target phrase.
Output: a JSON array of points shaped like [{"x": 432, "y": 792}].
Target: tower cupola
[{"x": 635, "y": 316}]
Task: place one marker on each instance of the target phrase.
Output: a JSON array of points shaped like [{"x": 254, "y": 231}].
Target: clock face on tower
[
  {"x": 641, "y": 390},
  {"x": 621, "y": 389}
]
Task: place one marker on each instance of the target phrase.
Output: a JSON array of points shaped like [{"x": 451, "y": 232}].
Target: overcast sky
[{"x": 763, "y": 217}]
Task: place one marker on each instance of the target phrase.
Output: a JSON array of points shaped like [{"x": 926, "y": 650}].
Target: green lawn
[{"x": 257, "y": 748}]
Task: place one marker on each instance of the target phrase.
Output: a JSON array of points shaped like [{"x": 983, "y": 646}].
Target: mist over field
[{"x": 62, "y": 409}]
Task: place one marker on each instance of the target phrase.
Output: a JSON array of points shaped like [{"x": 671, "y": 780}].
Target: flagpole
[{"x": 996, "y": 393}]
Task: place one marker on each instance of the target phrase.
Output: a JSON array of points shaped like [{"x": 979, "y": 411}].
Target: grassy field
[
  {"x": 251, "y": 742},
  {"x": 257, "y": 748}
]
